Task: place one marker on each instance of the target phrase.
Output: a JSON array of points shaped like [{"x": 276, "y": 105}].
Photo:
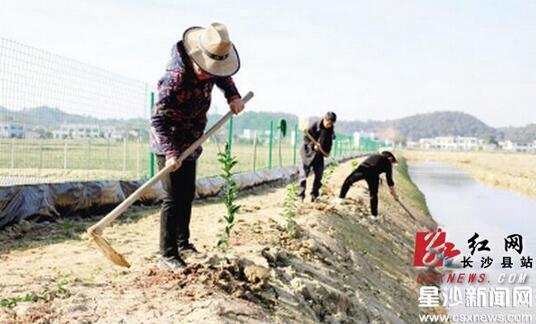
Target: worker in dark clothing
[
  {"x": 312, "y": 154},
  {"x": 370, "y": 171}
]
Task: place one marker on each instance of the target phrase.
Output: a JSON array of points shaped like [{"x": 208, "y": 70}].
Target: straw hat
[{"x": 211, "y": 49}]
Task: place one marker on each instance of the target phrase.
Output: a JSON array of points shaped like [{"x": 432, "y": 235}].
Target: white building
[
  {"x": 247, "y": 134},
  {"x": 77, "y": 131},
  {"x": 359, "y": 135},
  {"x": 518, "y": 146},
  {"x": 112, "y": 133},
  {"x": 31, "y": 134},
  {"x": 412, "y": 144},
  {"x": 9, "y": 130},
  {"x": 452, "y": 143}
]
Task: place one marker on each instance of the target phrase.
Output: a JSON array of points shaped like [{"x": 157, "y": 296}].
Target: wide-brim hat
[{"x": 211, "y": 49}]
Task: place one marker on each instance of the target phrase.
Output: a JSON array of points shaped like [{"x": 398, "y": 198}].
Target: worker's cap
[{"x": 330, "y": 115}]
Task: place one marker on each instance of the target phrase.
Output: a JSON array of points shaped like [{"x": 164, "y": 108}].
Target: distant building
[
  {"x": 461, "y": 143},
  {"x": 451, "y": 143},
  {"x": 31, "y": 134},
  {"x": 359, "y": 136},
  {"x": 10, "y": 130},
  {"x": 77, "y": 131},
  {"x": 490, "y": 147},
  {"x": 412, "y": 144},
  {"x": 518, "y": 146},
  {"x": 247, "y": 134},
  {"x": 110, "y": 132}
]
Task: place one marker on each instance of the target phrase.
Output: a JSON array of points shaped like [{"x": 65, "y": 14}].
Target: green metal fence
[{"x": 63, "y": 120}]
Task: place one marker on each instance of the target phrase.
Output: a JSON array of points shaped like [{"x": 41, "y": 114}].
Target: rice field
[{"x": 66, "y": 160}]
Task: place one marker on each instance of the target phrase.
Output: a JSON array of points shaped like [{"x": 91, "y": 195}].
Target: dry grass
[
  {"x": 512, "y": 171},
  {"x": 108, "y": 162}
]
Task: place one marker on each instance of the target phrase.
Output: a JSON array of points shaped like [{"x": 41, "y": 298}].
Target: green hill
[
  {"x": 520, "y": 134},
  {"x": 442, "y": 123}
]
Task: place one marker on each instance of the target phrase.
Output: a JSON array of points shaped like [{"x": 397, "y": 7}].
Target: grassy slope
[{"x": 408, "y": 189}]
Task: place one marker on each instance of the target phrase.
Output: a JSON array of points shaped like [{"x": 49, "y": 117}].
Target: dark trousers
[
  {"x": 317, "y": 165},
  {"x": 373, "y": 181},
  {"x": 179, "y": 188}
]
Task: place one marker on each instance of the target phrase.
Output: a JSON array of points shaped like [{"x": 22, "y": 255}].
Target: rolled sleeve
[
  {"x": 389, "y": 175},
  {"x": 228, "y": 87}
]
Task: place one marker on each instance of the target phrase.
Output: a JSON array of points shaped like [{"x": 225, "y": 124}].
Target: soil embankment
[{"x": 340, "y": 268}]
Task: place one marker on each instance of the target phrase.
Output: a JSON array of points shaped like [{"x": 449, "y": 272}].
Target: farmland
[{"x": 65, "y": 160}]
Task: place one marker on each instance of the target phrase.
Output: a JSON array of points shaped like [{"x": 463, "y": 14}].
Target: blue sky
[{"x": 363, "y": 59}]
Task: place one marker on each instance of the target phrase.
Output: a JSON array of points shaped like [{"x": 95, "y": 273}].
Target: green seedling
[{"x": 230, "y": 193}]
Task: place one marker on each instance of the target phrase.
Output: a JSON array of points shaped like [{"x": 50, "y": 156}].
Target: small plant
[
  {"x": 355, "y": 164},
  {"x": 324, "y": 189},
  {"x": 229, "y": 195},
  {"x": 46, "y": 295},
  {"x": 282, "y": 127},
  {"x": 290, "y": 206}
]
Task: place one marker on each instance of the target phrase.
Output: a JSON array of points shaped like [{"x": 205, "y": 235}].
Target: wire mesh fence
[{"x": 62, "y": 120}]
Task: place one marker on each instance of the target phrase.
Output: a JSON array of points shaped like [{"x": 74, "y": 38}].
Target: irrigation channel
[{"x": 464, "y": 206}]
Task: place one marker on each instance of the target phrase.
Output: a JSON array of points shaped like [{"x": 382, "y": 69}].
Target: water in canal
[{"x": 464, "y": 206}]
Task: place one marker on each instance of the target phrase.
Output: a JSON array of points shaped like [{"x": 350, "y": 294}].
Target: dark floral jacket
[{"x": 180, "y": 113}]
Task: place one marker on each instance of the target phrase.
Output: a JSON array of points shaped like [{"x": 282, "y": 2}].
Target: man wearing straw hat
[
  {"x": 203, "y": 58},
  {"x": 312, "y": 154}
]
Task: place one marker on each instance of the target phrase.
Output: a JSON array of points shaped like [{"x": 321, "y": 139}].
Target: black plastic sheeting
[{"x": 42, "y": 202}]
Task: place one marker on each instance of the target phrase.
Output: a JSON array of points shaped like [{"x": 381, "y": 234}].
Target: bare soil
[{"x": 340, "y": 268}]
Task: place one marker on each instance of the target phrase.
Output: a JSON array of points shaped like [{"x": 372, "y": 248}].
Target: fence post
[
  {"x": 279, "y": 148},
  {"x": 151, "y": 155},
  {"x": 270, "y": 143},
  {"x": 125, "y": 153},
  {"x": 334, "y": 148},
  {"x": 295, "y": 146},
  {"x": 230, "y": 137},
  {"x": 108, "y": 149},
  {"x": 12, "y": 153},
  {"x": 88, "y": 165},
  {"x": 138, "y": 158},
  {"x": 40, "y": 157},
  {"x": 254, "y": 150},
  {"x": 65, "y": 155}
]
